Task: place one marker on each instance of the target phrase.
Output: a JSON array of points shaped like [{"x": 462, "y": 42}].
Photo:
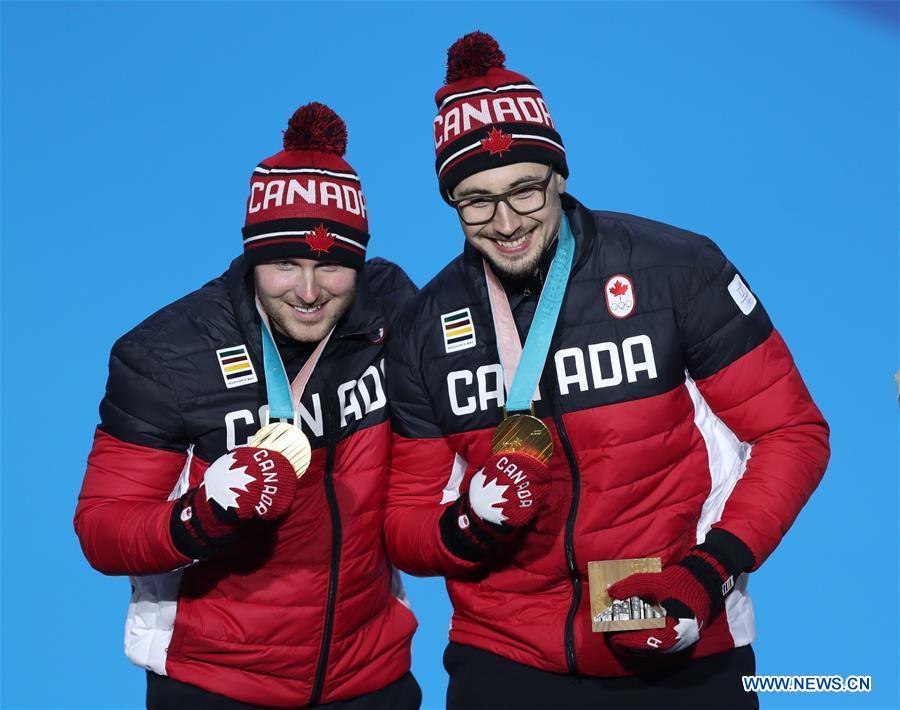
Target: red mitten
[
  {"x": 240, "y": 485},
  {"x": 690, "y": 592},
  {"x": 502, "y": 498}
]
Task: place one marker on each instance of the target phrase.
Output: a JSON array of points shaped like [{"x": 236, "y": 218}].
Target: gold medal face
[
  {"x": 288, "y": 441},
  {"x": 522, "y": 432}
]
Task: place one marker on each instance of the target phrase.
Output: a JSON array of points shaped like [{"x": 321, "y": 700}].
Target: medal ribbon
[
  {"x": 522, "y": 366},
  {"x": 281, "y": 394}
]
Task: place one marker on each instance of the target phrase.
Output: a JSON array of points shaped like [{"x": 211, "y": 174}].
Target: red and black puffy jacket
[
  {"x": 305, "y": 612},
  {"x": 675, "y": 408}
]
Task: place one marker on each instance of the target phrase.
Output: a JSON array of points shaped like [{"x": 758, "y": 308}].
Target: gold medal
[
  {"x": 288, "y": 441},
  {"x": 525, "y": 433}
]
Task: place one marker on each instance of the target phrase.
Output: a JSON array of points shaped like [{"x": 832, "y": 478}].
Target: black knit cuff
[
  {"x": 716, "y": 564},
  {"x": 188, "y": 535},
  {"x": 468, "y": 540},
  {"x": 729, "y": 550}
]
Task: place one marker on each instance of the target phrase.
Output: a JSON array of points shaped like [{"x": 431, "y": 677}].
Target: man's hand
[
  {"x": 690, "y": 592},
  {"x": 503, "y": 497},
  {"x": 242, "y": 484}
]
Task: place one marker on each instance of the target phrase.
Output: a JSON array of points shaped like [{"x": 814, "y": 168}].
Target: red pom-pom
[
  {"x": 473, "y": 55},
  {"x": 316, "y": 127}
]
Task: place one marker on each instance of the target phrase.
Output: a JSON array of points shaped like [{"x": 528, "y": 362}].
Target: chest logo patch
[
  {"x": 458, "y": 329},
  {"x": 620, "y": 298},
  {"x": 236, "y": 367}
]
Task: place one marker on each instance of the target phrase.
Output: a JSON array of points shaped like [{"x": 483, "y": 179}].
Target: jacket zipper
[
  {"x": 569, "y": 541},
  {"x": 572, "y": 563},
  {"x": 335, "y": 513}
]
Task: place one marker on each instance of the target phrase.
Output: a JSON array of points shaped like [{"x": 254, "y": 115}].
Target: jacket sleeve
[
  {"x": 746, "y": 374},
  {"x": 425, "y": 471},
  {"x": 139, "y": 453}
]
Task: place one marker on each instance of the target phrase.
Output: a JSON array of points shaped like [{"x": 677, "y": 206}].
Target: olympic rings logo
[{"x": 621, "y": 305}]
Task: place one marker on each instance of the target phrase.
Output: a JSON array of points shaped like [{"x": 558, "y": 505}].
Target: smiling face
[
  {"x": 513, "y": 243},
  {"x": 304, "y": 298}
]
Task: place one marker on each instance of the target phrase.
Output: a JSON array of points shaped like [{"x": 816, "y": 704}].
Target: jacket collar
[{"x": 584, "y": 229}]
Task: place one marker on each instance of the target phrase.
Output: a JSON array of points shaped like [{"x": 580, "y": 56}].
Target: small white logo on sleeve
[
  {"x": 728, "y": 585},
  {"x": 745, "y": 300}
]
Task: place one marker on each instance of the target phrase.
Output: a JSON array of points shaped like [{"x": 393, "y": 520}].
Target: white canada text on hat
[
  {"x": 277, "y": 192},
  {"x": 472, "y": 113}
]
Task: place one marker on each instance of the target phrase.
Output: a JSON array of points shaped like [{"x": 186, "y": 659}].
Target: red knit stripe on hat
[{"x": 303, "y": 240}]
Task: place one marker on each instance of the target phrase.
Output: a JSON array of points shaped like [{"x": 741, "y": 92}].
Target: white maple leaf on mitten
[
  {"x": 223, "y": 482},
  {"x": 483, "y": 498}
]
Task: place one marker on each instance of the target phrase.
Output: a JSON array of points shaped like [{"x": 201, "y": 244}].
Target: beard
[
  {"x": 515, "y": 268},
  {"x": 306, "y": 333},
  {"x": 525, "y": 264}
]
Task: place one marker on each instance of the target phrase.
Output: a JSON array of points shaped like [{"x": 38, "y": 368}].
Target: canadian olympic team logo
[{"x": 620, "y": 298}]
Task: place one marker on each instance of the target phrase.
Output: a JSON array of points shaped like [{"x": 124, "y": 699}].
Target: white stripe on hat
[
  {"x": 522, "y": 136},
  {"x": 349, "y": 241},
  {"x": 303, "y": 233},
  {"x": 456, "y": 155},
  {"x": 529, "y": 137},
  {"x": 293, "y": 171},
  {"x": 487, "y": 90}
]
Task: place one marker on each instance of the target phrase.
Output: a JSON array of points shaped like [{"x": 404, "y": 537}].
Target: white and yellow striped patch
[
  {"x": 458, "y": 329},
  {"x": 236, "y": 367}
]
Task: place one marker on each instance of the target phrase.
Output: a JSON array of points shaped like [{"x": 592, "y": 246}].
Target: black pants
[
  {"x": 481, "y": 680},
  {"x": 164, "y": 693}
]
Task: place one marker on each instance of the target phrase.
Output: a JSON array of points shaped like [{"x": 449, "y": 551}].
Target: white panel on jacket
[
  {"x": 728, "y": 457},
  {"x": 154, "y": 603},
  {"x": 451, "y": 490}
]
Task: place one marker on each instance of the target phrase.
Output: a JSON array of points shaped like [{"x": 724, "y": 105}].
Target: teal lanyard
[
  {"x": 281, "y": 392},
  {"x": 537, "y": 343},
  {"x": 278, "y": 388}
]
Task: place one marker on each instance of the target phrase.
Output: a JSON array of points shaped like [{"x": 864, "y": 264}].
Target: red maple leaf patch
[
  {"x": 618, "y": 288},
  {"x": 319, "y": 239},
  {"x": 497, "y": 142}
]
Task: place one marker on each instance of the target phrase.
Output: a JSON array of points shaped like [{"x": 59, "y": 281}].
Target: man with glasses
[{"x": 585, "y": 387}]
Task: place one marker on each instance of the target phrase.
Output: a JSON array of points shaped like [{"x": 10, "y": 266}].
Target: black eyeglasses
[{"x": 524, "y": 199}]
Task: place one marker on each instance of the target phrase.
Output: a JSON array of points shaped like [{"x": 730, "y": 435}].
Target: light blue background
[{"x": 128, "y": 135}]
